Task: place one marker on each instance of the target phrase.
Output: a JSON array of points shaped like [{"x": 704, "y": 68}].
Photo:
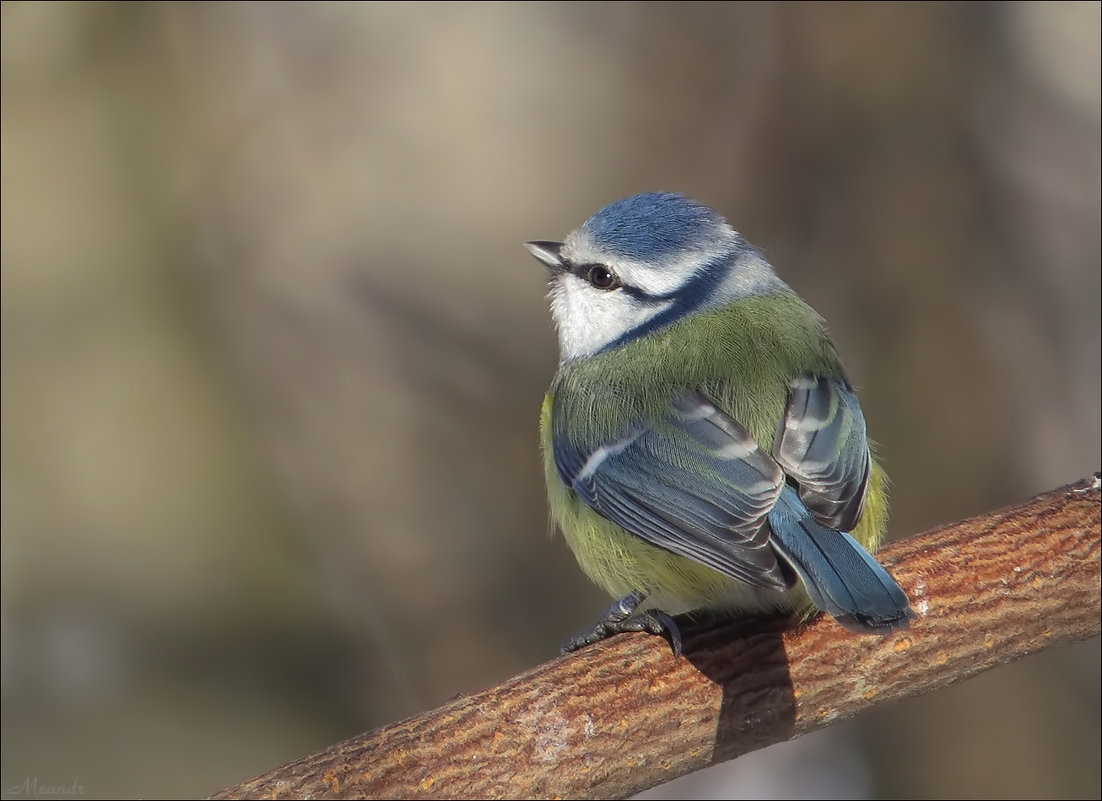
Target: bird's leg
[{"x": 621, "y": 618}]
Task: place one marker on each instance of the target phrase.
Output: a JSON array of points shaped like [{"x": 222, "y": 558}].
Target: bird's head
[{"x": 641, "y": 264}]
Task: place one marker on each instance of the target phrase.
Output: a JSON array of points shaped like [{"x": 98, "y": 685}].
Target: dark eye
[{"x": 602, "y": 277}]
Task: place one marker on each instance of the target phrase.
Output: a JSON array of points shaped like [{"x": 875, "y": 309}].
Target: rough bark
[{"x": 624, "y": 715}]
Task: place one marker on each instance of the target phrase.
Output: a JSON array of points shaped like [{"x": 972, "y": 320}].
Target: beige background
[{"x": 273, "y": 354}]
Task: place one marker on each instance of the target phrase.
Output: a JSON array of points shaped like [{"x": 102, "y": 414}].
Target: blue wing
[
  {"x": 695, "y": 483},
  {"x": 822, "y": 445}
]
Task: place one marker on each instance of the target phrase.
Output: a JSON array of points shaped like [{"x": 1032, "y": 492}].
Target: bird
[{"x": 703, "y": 447}]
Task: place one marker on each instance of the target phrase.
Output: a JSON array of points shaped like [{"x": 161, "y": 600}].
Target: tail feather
[{"x": 840, "y": 576}]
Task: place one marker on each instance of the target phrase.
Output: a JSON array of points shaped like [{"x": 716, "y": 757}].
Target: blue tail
[{"x": 840, "y": 576}]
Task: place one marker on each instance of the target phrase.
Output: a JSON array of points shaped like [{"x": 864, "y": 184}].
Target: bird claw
[{"x": 620, "y": 618}]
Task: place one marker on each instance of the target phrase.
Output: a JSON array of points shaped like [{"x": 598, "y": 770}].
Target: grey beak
[{"x": 548, "y": 253}]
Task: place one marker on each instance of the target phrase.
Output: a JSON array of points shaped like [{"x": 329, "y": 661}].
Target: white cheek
[{"x": 588, "y": 319}]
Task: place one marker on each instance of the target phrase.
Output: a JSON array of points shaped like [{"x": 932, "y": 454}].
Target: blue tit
[{"x": 703, "y": 447}]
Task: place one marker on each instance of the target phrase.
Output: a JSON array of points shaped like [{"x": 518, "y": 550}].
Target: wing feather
[
  {"x": 821, "y": 443},
  {"x": 695, "y": 483}
]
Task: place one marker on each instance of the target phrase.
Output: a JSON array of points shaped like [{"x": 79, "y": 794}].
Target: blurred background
[{"x": 273, "y": 354}]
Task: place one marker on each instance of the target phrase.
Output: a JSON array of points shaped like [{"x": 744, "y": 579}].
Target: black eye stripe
[
  {"x": 584, "y": 270},
  {"x": 597, "y": 275},
  {"x": 646, "y": 298},
  {"x": 687, "y": 298}
]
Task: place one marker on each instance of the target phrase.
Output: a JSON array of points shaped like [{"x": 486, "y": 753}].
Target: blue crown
[{"x": 652, "y": 225}]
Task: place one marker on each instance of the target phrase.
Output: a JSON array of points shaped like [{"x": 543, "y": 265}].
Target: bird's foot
[{"x": 621, "y": 618}]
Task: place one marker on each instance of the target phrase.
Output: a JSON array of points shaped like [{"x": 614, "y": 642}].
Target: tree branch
[{"x": 624, "y": 715}]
